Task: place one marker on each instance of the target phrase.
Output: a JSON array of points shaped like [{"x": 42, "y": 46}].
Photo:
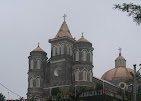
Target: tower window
[
  {"x": 91, "y": 56},
  {"x": 84, "y": 75},
  {"x": 58, "y": 50},
  {"x": 31, "y": 64},
  {"x": 53, "y": 51},
  {"x": 77, "y": 56},
  {"x": 38, "y": 82},
  {"x": 70, "y": 50},
  {"x": 38, "y": 64},
  {"x": 31, "y": 82},
  {"x": 76, "y": 75},
  {"x": 84, "y": 55},
  {"x": 90, "y": 74},
  {"x": 62, "y": 49}
]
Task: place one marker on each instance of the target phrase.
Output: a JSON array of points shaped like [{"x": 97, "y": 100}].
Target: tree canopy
[
  {"x": 2, "y": 97},
  {"x": 132, "y": 10}
]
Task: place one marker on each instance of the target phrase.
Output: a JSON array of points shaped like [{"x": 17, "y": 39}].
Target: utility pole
[{"x": 134, "y": 84}]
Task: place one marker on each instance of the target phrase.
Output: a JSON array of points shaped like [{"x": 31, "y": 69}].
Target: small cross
[
  {"x": 38, "y": 44},
  {"x": 82, "y": 34},
  {"x": 64, "y": 17},
  {"x": 120, "y": 51}
]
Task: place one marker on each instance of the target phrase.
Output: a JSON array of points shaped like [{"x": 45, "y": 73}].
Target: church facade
[{"x": 70, "y": 64}]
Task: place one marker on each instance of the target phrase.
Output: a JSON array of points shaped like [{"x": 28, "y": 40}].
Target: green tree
[
  {"x": 55, "y": 91},
  {"x": 2, "y": 97},
  {"x": 99, "y": 86},
  {"x": 132, "y": 10}
]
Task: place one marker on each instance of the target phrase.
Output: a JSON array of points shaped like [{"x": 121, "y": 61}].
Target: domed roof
[
  {"x": 120, "y": 57},
  {"x": 117, "y": 73},
  {"x": 38, "y": 49},
  {"x": 82, "y": 39}
]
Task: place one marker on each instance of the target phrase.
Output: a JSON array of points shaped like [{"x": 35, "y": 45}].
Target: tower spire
[
  {"x": 82, "y": 34},
  {"x": 65, "y": 17},
  {"x": 38, "y": 44}
]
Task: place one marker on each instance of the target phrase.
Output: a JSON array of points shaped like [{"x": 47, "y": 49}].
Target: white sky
[{"x": 24, "y": 23}]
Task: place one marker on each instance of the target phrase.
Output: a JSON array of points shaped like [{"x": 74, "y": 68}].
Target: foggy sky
[{"x": 24, "y": 23}]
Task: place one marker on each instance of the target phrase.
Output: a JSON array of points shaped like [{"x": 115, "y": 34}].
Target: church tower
[
  {"x": 37, "y": 64},
  {"x": 61, "y": 57},
  {"x": 82, "y": 62}
]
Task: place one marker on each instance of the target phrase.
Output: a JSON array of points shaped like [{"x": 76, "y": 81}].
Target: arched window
[
  {"x": 84, "y": 75},
  {"x": 53, "y": 51},
  {"x": 38, "y": 82},
  {"x": 38, "y": 64},
  {"x": 84, "y": 55},
  {"x": 76, "y": 75},
  {"x": 31, "y": 82},
  {"x": 77, "y": 56},
  {"x": 91, "y": 75},
  {"x": 70, "y": 50},
  {"x": 91, "y": 56},
  {"x": 31, "y": 64},
  {"x": 58, "y": 50},
  {"x": 62, "y": 49}
]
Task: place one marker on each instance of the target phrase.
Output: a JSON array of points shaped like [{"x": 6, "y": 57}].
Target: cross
[
  {"x": 38, "y": 44},
  {"x": 120, "y": 51},
  {"x": 64, "y": 17},
  {"x": 82, "y": 34}
]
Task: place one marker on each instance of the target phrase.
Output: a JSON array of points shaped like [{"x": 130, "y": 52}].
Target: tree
[
  {"x": 132, "y": 10},
  {"x": 2, "y": 97}
]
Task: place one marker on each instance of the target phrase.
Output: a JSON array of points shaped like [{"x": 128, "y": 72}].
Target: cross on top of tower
[
  {"x": 119, "y": 51},
  {"x": 65, "y": 17},
  {"x": 38, "y": 44},
  {"x": 82, "y": 34}
]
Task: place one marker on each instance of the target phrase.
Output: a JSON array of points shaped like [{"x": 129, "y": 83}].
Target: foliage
[
  {"x": 132, "y": 10},
  {"x": 2, "y": 97},
  {"x": 59, "y": 97},
  {"x": 99, "y": 86},
  {"x": 55, "y": 91},
  {"x": 139, "y": 94}
]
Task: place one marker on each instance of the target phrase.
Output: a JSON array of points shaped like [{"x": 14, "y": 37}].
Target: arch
[
  {"x": 54, "y": 51},
  {"x": 90, "y": 75},
  {"x": 38, "y": 82},
  {"x": 31, "y": 82},
  {"x": 38, "y": 64},
  {"x": 70, "y": 49},
  {"x": 77, "y": 56},
  {"x": 62, "y": 49},
  {"x": 58, "y": 49},
  {"x": 77, "y": 75},
  {"x": 84, "y": 55},
  {"x": 85, "y": 74},
  {"x": 31, "y": 64},
  {"x": 91, "y": 56}
]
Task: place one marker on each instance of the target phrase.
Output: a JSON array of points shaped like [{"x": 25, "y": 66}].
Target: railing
[{"x": 83, "y": 94}]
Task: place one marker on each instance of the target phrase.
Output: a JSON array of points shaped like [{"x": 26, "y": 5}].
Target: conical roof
[
  {"x": 82, "y": 39},
  {"x": 38, "y": 49},
  {"x": 64, "y": 31}
]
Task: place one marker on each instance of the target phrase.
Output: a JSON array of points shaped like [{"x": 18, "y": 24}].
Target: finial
[
  {"x": 65, "y": 17},
  {"x": 82, "y": 34},
  {"x": 119, "y": 51},
  {"x": 38, "y": 44}
]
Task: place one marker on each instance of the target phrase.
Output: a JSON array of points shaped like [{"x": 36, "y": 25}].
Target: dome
[
  {"x": 82, "y": 39},
  {"x": 38, "y": 49},
  {"x": 117, "y": 73}
]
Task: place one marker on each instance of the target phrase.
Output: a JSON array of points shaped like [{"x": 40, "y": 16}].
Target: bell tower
[{"x": 61, "y": 57}]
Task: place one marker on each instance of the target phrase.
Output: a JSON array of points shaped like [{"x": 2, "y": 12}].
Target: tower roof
[
  {"x": 38, "y": 49},
  {"x": 64, "y": 31},
  {"x": 82, "y": 39}
]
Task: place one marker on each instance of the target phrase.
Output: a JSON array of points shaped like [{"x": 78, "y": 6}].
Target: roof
[
  {"x": 64, "y": 31},
  {"x": 120, "y": 57},
  {"x": 117, "y": 73},
  {"x": 38, "y": 49},
  {"x": 82, "y": 39}
]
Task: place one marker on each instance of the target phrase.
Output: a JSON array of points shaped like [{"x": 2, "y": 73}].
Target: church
[{"x": 70, "y": 64}]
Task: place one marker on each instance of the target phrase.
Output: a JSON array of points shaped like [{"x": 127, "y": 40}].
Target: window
[
  {"x": 53, "y": 51},
  {"x": 90, "y": 74},
  {"x": 58, "y": 50},
  {"x": 77, "y": 56},
  {"x": 84, "y": 55},
  {"x": 38, "y": 82},
  {"x": 31, "y": 64},
  {"x": 62, "y": 49},
  {"x": 91, "y": 56},
  {"x": 76, "y": 75},
  {"x": 38, "y": 64},
  {"x": 31, "y": 82},
  {"x": 84, "y": 75},
  {"x": 70, "y": 51}
]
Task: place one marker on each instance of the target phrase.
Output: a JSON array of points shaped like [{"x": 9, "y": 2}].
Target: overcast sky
[{"x": 24, "y": 23}]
